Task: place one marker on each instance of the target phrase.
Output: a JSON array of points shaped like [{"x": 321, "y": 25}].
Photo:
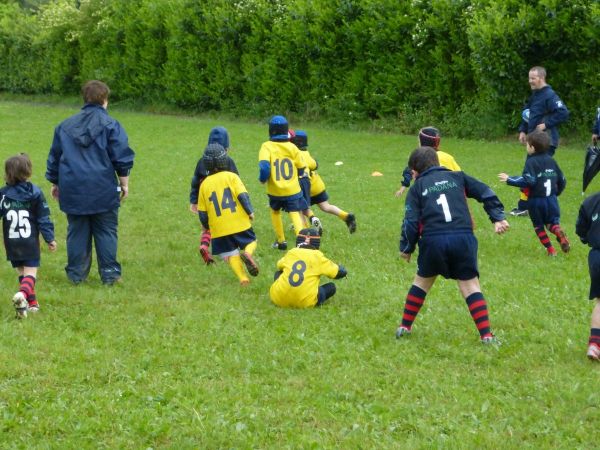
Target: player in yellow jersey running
[
  {"x": 279, "y": 162},
  {"x": 224, "y": 207},
  {"x": 317, "y": 194}
]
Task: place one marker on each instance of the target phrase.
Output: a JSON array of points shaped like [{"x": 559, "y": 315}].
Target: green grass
[{"x": 179, "y": 356}]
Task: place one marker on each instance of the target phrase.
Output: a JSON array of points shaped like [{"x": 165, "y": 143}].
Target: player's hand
[
  {"x": 522, "y": 137},
  {"x": 54, "y": 192},
  {"x": 405, "y": 256},
  {"x": 594, "y": 139},
  {"x": 251, "y": 216},
  {"x": 503, "y": 177},
  {"x": 400, "y": 191},
  {"x": 52, "y": 246},
  {"x": 541, "y": 126},
  {"x": 501, "y": 226},
  {"x": 194, "y": 208}
]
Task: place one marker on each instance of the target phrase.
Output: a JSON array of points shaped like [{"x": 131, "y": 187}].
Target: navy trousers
[{"x": 102, "y": 228}]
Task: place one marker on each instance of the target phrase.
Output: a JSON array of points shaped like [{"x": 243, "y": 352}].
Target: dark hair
[
  {"x": 429, "y": 137},
  {"x": 423, "y": 158},
  {"x": 539, "y": 140},
  {"x": 17, "y": 169},
  {"x": 95, "y": 92}
]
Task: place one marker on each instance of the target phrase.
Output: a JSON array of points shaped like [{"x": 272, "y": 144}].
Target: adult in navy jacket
[
  {"x": 546, "y": 110},
  {"x": 88, "y": 166}
]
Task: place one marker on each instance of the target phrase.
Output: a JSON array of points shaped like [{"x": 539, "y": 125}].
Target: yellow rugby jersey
[
  {"x": 317, "y": 185},
  {"x": 311, "y": 163},
  {"x": 218, "y": 197},
  {"x": 448, "y": 161},
  {"x": 298, "y": 285},
  {"x": 285, "y": 159},
  {"x": 316, "y": 182}
]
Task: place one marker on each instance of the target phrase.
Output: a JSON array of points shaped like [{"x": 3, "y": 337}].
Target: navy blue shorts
[
  {"x": 543, "y": 210},
  {"x": 231, "y": 244},
  {"x": 289, "y": 204},
  {"x": 319, "y": 198},
  {"x": 450, "y": 255},
  {"x": 305, "y": 188},
  {"x": 26, "y": 263},
  {"x": 594, "y": 265}
]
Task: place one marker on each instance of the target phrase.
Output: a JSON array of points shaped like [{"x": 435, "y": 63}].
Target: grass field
[{"x": 179, "y": 356}]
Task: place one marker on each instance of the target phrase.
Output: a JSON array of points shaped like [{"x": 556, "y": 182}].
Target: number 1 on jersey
[{"x": 442, "y": 200}]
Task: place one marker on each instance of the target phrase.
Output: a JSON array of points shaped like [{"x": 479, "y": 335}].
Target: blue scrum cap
[
  {"x": 300, "y": 139},
  {"x": 219, "y": 135},
  {"x": 278, "y": 128}
]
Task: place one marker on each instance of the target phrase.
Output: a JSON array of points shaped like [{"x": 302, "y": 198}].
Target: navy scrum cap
[
  {"x": 429, "y": 137},
  {"x": 278, "y": 128},
  {"x": 219, "y": 135},
  {"x": 300, "y": 139},
  {"x": 308, "y": 236}
]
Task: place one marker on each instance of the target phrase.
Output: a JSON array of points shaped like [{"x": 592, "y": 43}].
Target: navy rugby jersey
[
  {"x": 588, "y": 221},
  {"x": 25, "y": 214},
  {"x": 437, "y": 204},
  {"x": 541, "y": 175}
]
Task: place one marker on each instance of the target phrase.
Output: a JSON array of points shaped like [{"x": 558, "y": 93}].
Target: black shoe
[
  {"x": 351, "y": 223},
  {"x": 280, "y": 245}
]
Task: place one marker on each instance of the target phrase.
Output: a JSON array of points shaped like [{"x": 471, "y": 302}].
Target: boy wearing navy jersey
[
  {"x": 437, "y": 218},
  {"x": 545, "y": 182},
  {"x": 588, "y": 230},
  {"x": 25, "y": 214}
]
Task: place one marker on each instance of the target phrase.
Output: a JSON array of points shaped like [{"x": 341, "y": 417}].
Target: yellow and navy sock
[
  {"x": 296, "y": 217},
  {"x": 343, "y": 215},
  {"x": 479, "y": 312},
  {"x": 278, "y": 225},
  {"x": 236, "y": 264},
  {"x": 414, "y": 301},
  {"x": 251, "y": 247}
]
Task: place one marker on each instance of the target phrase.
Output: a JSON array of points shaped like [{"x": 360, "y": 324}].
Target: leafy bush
[{"x": 458, "y": 62}]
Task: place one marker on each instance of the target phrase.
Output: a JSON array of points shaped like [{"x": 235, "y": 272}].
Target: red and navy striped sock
[
  {"x": 27, "y": 287},
  {"x": 414, "y": 301},
  {"x": 595, "y": 337},
  {"x": 479, "y": 312},
  {"x": 543, "y": 237},
  {"x": 205, "y": 239}
]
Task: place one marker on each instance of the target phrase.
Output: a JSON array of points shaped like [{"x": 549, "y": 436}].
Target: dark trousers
[{"x": 102, "y": 228}]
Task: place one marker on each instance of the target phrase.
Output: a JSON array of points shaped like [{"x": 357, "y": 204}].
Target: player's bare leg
[{"x": 348, "y": 218}]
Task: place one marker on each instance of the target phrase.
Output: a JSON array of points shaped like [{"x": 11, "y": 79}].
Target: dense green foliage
[
  {"x": 459, "y": 63},
  {"x": 178, "y": 356}
]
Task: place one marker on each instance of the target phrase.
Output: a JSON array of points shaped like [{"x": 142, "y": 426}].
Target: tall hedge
[{"x": 459, "y": 63}]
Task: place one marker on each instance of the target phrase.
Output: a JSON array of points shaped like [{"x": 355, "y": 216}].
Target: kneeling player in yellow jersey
[
  {"x": 299, "y": 272},
  {"x": 317, "y": 195},
  {"x": 224, "y": 207}
]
